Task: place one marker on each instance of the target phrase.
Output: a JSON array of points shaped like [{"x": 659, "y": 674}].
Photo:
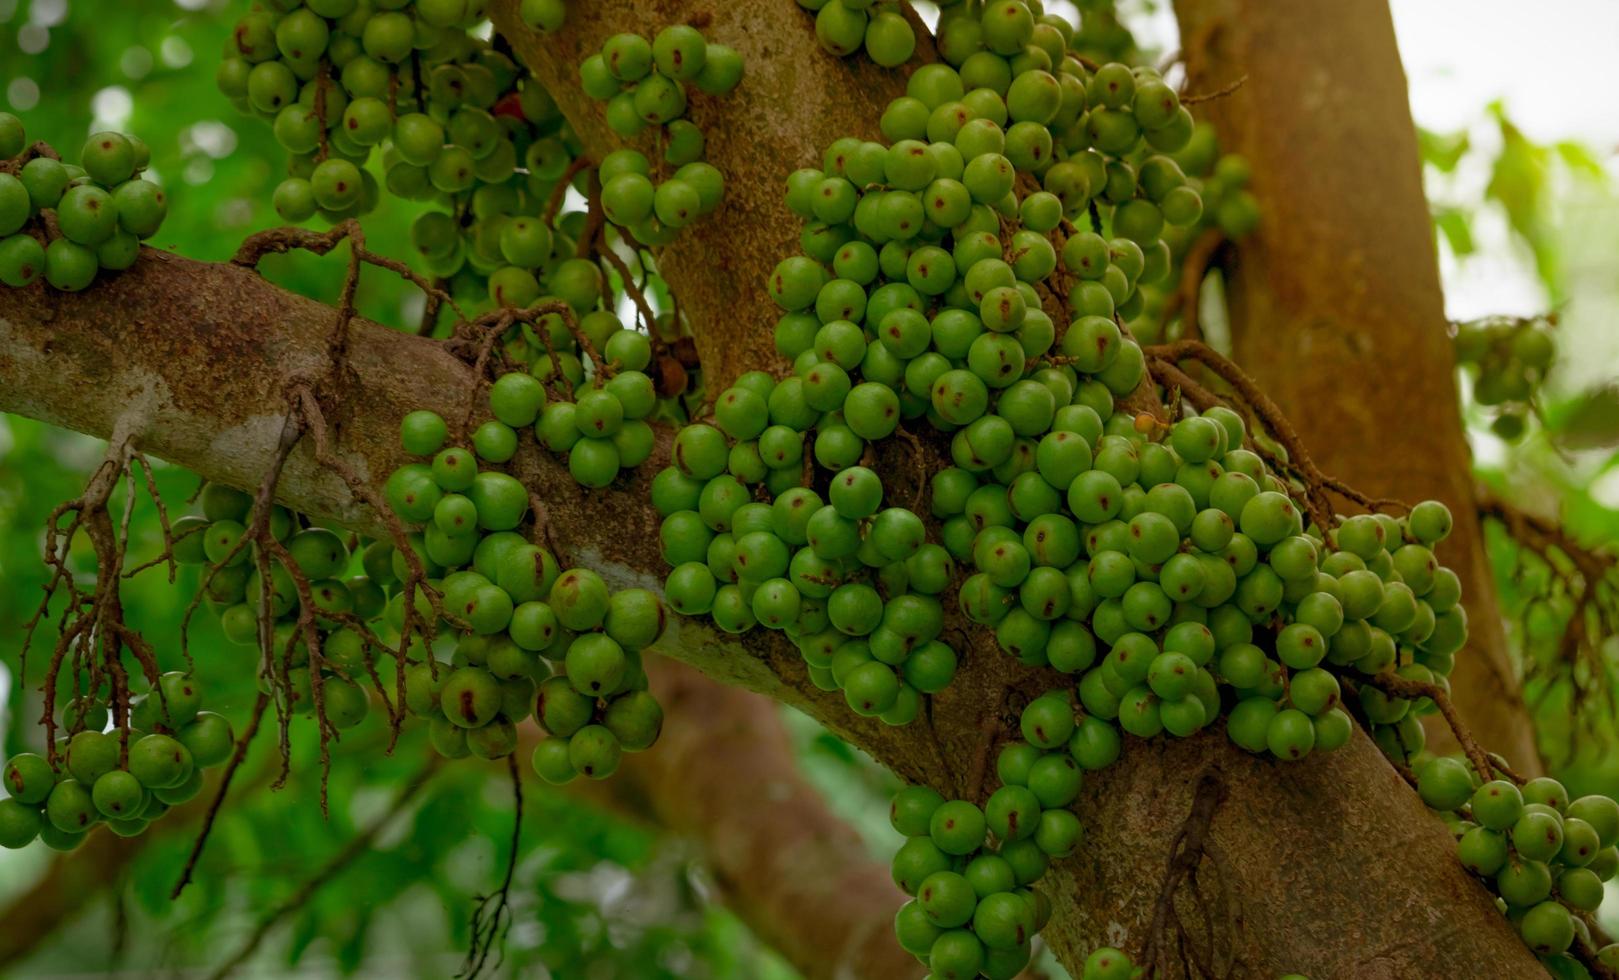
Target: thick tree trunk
[
  {"x": 1336, "y": 304},
  {"x": 794, "y": 100}
]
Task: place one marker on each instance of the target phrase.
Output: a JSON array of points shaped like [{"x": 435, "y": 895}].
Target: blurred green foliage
[{"x": 1501, "y": 200}]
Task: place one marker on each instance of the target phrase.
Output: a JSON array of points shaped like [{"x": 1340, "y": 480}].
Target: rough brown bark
[
  {"x": 794, "y": 100},
  {"x": 1336, "y": 303},
  {"x": 204, "y": 352},
  {"x": 1329, "y": 867}
]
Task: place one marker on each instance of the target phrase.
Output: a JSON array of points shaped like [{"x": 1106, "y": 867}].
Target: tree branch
[
  {"x": 723, "y": 775},
  {"x": 212, "y": 346}
]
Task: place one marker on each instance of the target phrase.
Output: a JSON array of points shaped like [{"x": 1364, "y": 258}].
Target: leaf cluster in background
[{"x": 1558, "y": 202}]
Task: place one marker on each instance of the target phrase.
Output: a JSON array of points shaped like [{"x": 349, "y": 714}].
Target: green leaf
[
  {"x": 1565, "y": 968},
  {"x": 1517, "y": 179},
  {"x": 1590, "y": 422},
  {"x": 305, "y": 930},
  {"x": 1443, "y": 151},
  {"x": 1580, "y": 159},
  {"x": 1456, "y": 225}
]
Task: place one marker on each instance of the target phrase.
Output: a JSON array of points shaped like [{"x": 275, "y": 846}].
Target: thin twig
[
  {"x": 1277, "y": 425},
  {"x": 492, "y": 914},
  {"x": 431, "y": 307},
  {"x": 1194, "y": 269},
  {"x": 231, "y": 767},
  {"x": 357, "y": 847},
  {"x": 1404, "y": 687},
  {"x": 1218, "y": 93},
  {"x": 275, "y": 241},
  {"x": 415, "y": 574},
  {"x": 1585, "y": 576},
  {"x": 560, "y": 189},
  {"x": 643, "y": 308}
]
